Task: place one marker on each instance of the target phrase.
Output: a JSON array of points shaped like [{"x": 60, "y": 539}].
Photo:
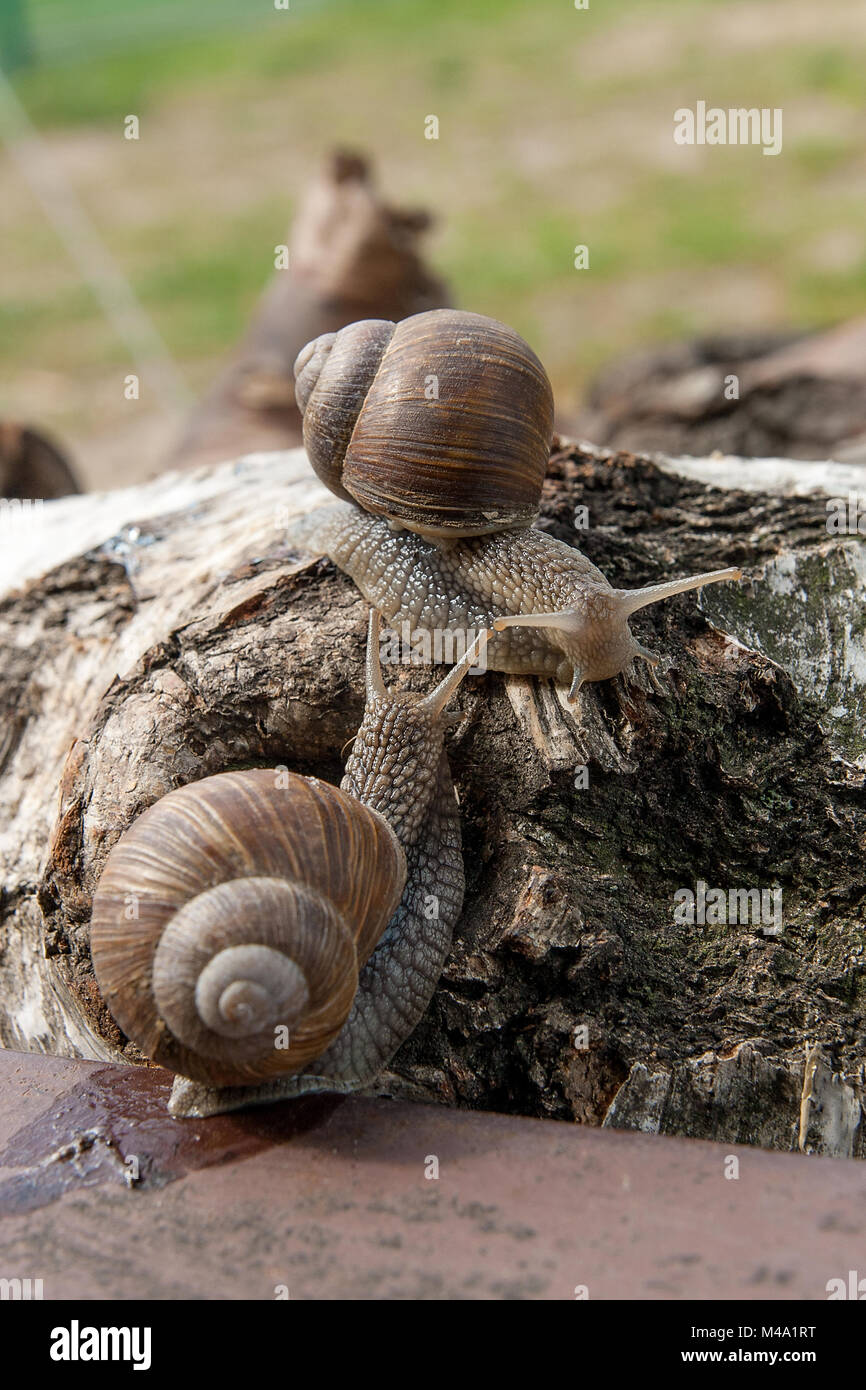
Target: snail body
[
  {"x": 553, "y": 612},
  {"x": 281, "y": 938},
  {"x": 437, "y": 497}
]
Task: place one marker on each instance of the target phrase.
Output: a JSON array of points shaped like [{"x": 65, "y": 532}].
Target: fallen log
[{"x": 159, "y": 634}]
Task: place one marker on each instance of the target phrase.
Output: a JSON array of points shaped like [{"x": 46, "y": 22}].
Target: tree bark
[{"x": 158, "y": 635}]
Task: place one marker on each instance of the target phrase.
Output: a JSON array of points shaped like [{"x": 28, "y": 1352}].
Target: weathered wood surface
[
  {"x": 104, "y": 1195},
  {"x": 157, "y": 635}
]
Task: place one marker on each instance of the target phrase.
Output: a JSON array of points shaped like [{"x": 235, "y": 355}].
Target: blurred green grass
[{"x": 555, "y": 129}]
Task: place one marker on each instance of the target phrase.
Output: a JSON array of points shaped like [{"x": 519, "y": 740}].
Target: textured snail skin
[
  {"x": 399, "y": 768},
  {"x": 569, "y": 623}
]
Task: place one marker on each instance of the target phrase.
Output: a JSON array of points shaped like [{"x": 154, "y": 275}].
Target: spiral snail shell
[
  {"x": 256, "y": 896},
  {"x": 262, "y": 926},
  {"x": 465, "y": 474},
  {"x": 442, "y": 423}
]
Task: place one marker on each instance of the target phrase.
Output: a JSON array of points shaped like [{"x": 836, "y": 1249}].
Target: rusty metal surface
[{"x": 329, "y": 1197}]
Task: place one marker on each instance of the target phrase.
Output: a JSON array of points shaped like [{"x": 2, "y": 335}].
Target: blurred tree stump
[
  {"x": 158, "y": 635},
  {"x": 350, "y": 256},
  {"x": 31, "y": 466},
  {"x": 759, "y": 395}
]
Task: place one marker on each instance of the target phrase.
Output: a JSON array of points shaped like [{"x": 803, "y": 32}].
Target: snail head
[{"x": 595, "y": 637}]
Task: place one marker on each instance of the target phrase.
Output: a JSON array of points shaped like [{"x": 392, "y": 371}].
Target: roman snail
[
  {"x": 287, "y": 935},
  {"x": 435, "y": 433}
]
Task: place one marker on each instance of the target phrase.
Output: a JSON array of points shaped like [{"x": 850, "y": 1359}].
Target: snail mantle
[{"x": 163, "y": 634}]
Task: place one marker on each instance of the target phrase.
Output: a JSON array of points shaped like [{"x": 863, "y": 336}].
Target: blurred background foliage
[{"x": 555, "y": 129}]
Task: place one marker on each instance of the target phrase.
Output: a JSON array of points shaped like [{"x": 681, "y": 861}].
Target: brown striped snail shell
[
  {"x": 441, "y": 423},
  {"x": 237, "y": 906}
]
